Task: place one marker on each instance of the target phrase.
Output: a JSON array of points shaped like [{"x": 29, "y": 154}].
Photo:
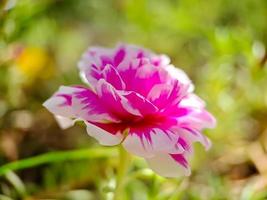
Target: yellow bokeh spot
[{"x": 33, "y": 61}]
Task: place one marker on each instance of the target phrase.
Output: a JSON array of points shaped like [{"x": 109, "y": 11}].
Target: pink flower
[{"x": 136, "y": 98}]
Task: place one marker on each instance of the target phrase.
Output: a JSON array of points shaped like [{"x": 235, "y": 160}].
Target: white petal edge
[
  {"x": 165, "y": 166},
  {"x": 181, "y": 76},
  {"x": 54, "y": 102},
  {"x": 64, "y": 122},
  {"x": 161, "y": 143},
  {"x": 103, "y": 137}
]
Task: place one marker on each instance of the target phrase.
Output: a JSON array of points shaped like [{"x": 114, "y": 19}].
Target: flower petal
[
  {"x": 180, "y": 75},
  {"x": 193, "y": 135},
  {"x": 114, "y": 101},
  {"x": 193, "y": 101},
  {"x": 146, "y": 77},
  {"x": 92, "y": 75},
  {"x": 119, "y": 55},
  {"x": 198, "y": 119},
  {"x": 102, "y": 136},
  {"x": 64, "y": 122},
  {"x": 95, "y": 56},
  {"x": 169, "y": 165},
  {"x": 166, "y": 96},
  {"x": 78, "y": 102},
  {"x": 140, "y": 103},
  {"x": 61, "y": 102},
  {"x": 111, "y": 75},
  {"x": 147, "y": 144}
]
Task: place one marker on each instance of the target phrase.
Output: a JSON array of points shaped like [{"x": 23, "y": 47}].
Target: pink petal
[
  {"x": 192, "y": 135},
  {"x": 185, "y": 143},
  {"x": 78, "y": 102},
  {"x": 180, "y": 158},
  {"x": 111, "y": 75},
  {"x": 198, "y": 119},
  {"x": 92, "y": 75},
  {"x": 174, "y": 165},
  {"x": 193, "y": 101},
  {"x": 91, "y": 64},
  {"x": 160, "y": 60},
  {"x": 166, "y": 96},
  {"x": 139, "y": 102},
  {"x": 114, "y": 101},
  {"x": 95, "y": 56},
  {"x": 132, "y": 54},
  {"x": 61, "y": 102},
  {"x": 146, "y": 77},
  {"x": 119, "y": 56},
  {"x": 180, "y": 75},
  {"x": 127, "y": 70},
  {"x": 102, "y": 136},
  {"x": 148, "y": 143}
]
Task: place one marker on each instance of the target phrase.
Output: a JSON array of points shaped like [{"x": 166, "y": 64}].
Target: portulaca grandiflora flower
[{"x": 137, "y": 99}]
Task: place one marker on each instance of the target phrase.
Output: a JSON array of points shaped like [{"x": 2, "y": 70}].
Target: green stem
[
  {"x": 57, "y": 157},
  {"x": 124, "y": 161}
]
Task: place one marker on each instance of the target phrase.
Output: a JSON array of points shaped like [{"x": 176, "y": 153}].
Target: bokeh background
[{"x": 220, "y": 44}]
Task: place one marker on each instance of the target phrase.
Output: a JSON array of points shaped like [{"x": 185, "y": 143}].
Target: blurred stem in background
[
  {"x": 123, "y": 166},
  {"x": 51, "y": 157}
]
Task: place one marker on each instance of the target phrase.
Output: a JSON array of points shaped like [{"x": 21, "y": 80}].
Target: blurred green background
[{"x": 220, "y": 44}]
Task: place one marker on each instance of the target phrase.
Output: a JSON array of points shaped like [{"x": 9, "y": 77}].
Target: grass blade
[{"x": 100, "y": 152}]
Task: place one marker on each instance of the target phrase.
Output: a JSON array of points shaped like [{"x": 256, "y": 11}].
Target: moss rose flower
[{"x": 138, "y": 99}]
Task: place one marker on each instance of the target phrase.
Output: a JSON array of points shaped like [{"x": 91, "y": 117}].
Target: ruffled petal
[
  {"x": 133, "y": 54},
  {"x": 150, "y": 142},
  {"x": 111, "y": 75},
  {"x": 137, "y": 101},
  {"x": 193, "y": 101},
  {"x": 102, "y": 136},
  {"x": 180, "y": 75},
  {"x": 95, "y": 59},
  {"x": 192, "y": 135},
  {"x": 92, "y": 75},
  {"x": 95, "y": 56},
  {"x": 61, "y": 102},
  {"x": 115, "y": 102},
  {"x": 128, "y": 62},
  {"x": 198, "y": 117},
  {"x": 64, "y": 122},
  {"x": 167, "y": 96},
  {"x": 189, "y": 134},
  {"x": 146, "y": 77},
  {"x": 92, "y": 64},
  {"x": 169, "y": 165},
  {"x": 78, "y": 102}
]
